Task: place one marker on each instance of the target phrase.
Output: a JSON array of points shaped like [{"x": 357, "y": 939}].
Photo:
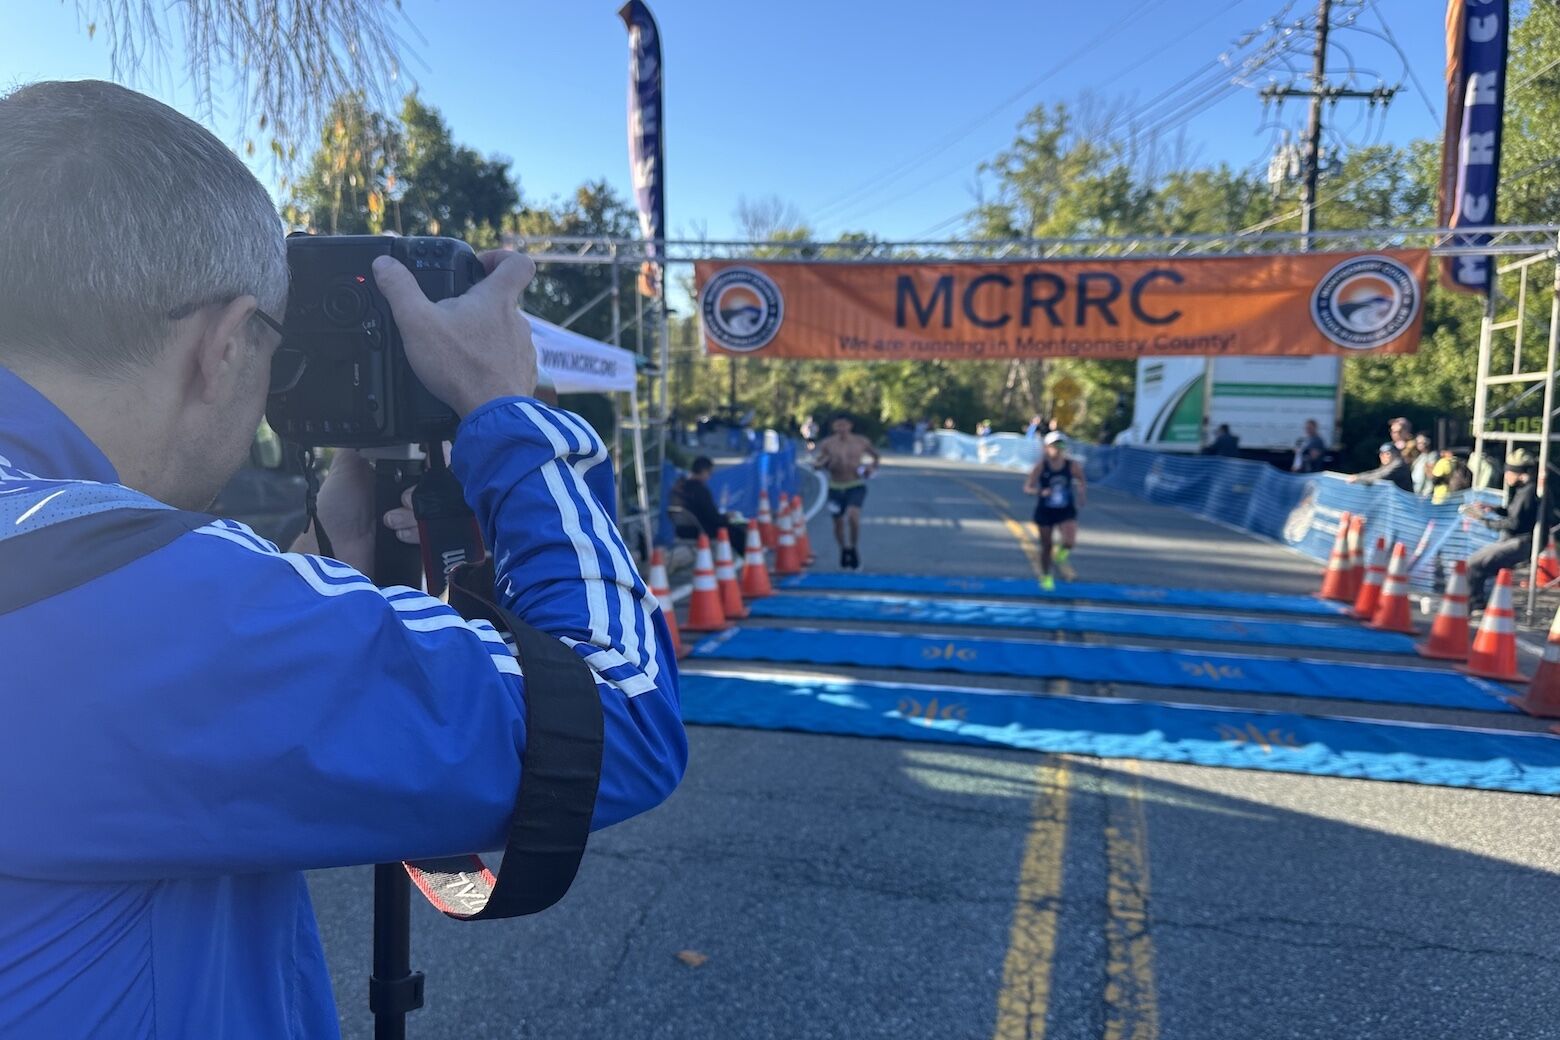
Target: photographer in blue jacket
[{"x": 186, "y": 734}]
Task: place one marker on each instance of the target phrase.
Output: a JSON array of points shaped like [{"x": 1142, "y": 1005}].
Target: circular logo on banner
[
  {"x": 742, "y": 309},
  {"x": 1365, "y": 302}
]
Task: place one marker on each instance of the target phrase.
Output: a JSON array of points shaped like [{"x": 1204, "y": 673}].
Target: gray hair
[{"x": 115, "y": 213}]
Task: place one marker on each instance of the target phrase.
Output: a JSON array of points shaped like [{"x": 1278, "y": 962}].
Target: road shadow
[{"x": 841, "y": 887}]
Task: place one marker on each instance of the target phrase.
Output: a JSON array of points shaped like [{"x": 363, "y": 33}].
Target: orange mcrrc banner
[{"x": 1296, "y": 303}]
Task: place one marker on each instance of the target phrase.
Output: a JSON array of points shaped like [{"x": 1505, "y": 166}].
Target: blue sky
[{"x": 863, "y": 114}]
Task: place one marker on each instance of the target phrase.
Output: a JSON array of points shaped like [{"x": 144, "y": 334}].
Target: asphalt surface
[{"x": 842, "y": 887}]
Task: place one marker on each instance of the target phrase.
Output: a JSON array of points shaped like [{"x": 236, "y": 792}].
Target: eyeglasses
[{"x": 287, "y": 363}]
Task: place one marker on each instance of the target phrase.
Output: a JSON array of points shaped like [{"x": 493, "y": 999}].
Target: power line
[
  {"x": 1184, "y": 104},
  {"x": 894, "y": 173},
  {"x": 1388, "y": 160},
  {"x": 877, "y": 182},
  {"x": 1535, "y": 168},
  {"x": 1407, "y": 65},
  {"x": 1537, "y": 74}
]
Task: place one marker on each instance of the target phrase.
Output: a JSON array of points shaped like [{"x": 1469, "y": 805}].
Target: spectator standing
[
  {"x": 1392, "y": 470},
  {"x": 1224, "y": 443},
  {"x": 1448, "y": 475},
  {"x": 810, "y": 432},
  {"x": 1401, "y": 433},
  {"x": 238, "y": 714},
  {"x": 1310, "y": 450},
  {"x": 1424, "y": 462}
]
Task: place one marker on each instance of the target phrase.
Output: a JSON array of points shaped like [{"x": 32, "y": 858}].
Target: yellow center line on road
[
  {"x": 1131, "y": 999},
  {"x": 1030, "y": 543},
  {"x": 1025, "y": 996},
  {"x": 1131, "y": 995}
]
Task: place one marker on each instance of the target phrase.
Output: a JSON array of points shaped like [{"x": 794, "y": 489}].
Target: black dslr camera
[{"x": 340, "y": 377}]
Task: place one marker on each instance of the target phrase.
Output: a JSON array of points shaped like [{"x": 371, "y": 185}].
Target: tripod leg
[{"x": 393, "y": 989}]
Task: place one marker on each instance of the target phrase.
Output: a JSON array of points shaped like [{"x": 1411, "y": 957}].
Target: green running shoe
[
  {"x": 1061, "y": 557},
  {"x": 1047, "y": 583}
]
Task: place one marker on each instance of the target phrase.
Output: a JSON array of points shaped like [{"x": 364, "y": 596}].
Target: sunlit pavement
[{"x": 841, "y": 887}]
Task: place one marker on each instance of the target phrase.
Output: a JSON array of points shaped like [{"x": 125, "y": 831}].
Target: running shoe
[
  {"x": 1047, "y": 583},
  {"x": 1061, "y": 558},
  {"x": 844, "y": 559}
]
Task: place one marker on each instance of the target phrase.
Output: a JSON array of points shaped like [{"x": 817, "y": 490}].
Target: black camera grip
[{"x": 395, "y": 562}]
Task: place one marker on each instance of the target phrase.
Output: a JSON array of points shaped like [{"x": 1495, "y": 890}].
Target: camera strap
[
  {"x": 561, "y": 770},
  {"x": 57, "y": 557},
  {"x": 558, "y": 781}
]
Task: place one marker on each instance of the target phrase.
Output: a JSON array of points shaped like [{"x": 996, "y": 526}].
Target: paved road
[{"x": 853, "y": 888}]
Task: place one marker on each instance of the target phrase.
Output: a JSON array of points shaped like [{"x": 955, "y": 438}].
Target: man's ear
[{"x": 221, "y": 351}]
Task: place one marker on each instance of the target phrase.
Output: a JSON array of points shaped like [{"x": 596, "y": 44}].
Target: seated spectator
[
  {"x": 692, "y": 493},
  {"x": 1514, "y": 522}
]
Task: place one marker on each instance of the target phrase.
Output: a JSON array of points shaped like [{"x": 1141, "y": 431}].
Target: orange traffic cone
[
  {"x": 1356, "y": 544},
  {"x": 726, "y": 578},
  {"x": 755, "y": 573},
  {"x": 1494, "y": 653},
  {"x": 787, "y": 559},
  {"x": 660, "y": 588},
  {"x": 704, "y": 609},
  {"x": 1548, "y": 564},
  {"x": 1392, "y": 611},
  {"x": 1543, "y": 692},
  {"x": 804, "y": 553},
  {"x": 1335, "y": 583},
  {"x": 1449, "y": 633},
  {"x": 1370, "y": 588},
  {"x": 766, "y": 520}
]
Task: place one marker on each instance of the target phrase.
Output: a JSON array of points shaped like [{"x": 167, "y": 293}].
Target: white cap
[{"x": 1056, "y": 437}]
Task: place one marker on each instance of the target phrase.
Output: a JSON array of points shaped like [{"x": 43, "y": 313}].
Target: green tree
[
  {"x": 1530, "y": 151},
  {"x": 447, "y": 188},
  {"x": 350, "y": 175},
  {"x": 373, "y": 173},
  {"x": 561, "y": 291}
]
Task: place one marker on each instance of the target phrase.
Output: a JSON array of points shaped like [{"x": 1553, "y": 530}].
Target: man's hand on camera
[
  {"x": 403, "y": 522},
  {"x": 471, "y": 348}
]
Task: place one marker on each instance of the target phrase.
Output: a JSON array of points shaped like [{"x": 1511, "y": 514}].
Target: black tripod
[{"x": 394, "y": 989}]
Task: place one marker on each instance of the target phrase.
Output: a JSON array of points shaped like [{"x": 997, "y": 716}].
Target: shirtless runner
[{"x": 842, "y": 455}]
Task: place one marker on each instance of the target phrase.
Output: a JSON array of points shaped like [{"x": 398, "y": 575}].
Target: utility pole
[
  {"x": 1318, "y": 92},
  {"x": 1313, "y": 126}
]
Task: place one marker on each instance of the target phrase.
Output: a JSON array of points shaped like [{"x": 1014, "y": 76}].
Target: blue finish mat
[
  {"x": 1304, "y": 635},
  {"x": 1093, "y": 592},
  {"x": 1178, "y": 669},
  {"x": 1271, "y": 741}
]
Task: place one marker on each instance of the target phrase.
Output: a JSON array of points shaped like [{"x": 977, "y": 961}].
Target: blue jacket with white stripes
[{"x": 182, "y": 737}]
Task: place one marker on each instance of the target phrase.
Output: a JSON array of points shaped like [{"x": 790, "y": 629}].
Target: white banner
[{"x": 579, "y": 364}]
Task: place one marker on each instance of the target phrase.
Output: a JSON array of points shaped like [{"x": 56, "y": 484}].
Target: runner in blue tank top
[{"x": 1058, "y": 480}]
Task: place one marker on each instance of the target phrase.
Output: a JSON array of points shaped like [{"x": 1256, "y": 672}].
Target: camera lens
[{"x": 345, "y": 304}]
